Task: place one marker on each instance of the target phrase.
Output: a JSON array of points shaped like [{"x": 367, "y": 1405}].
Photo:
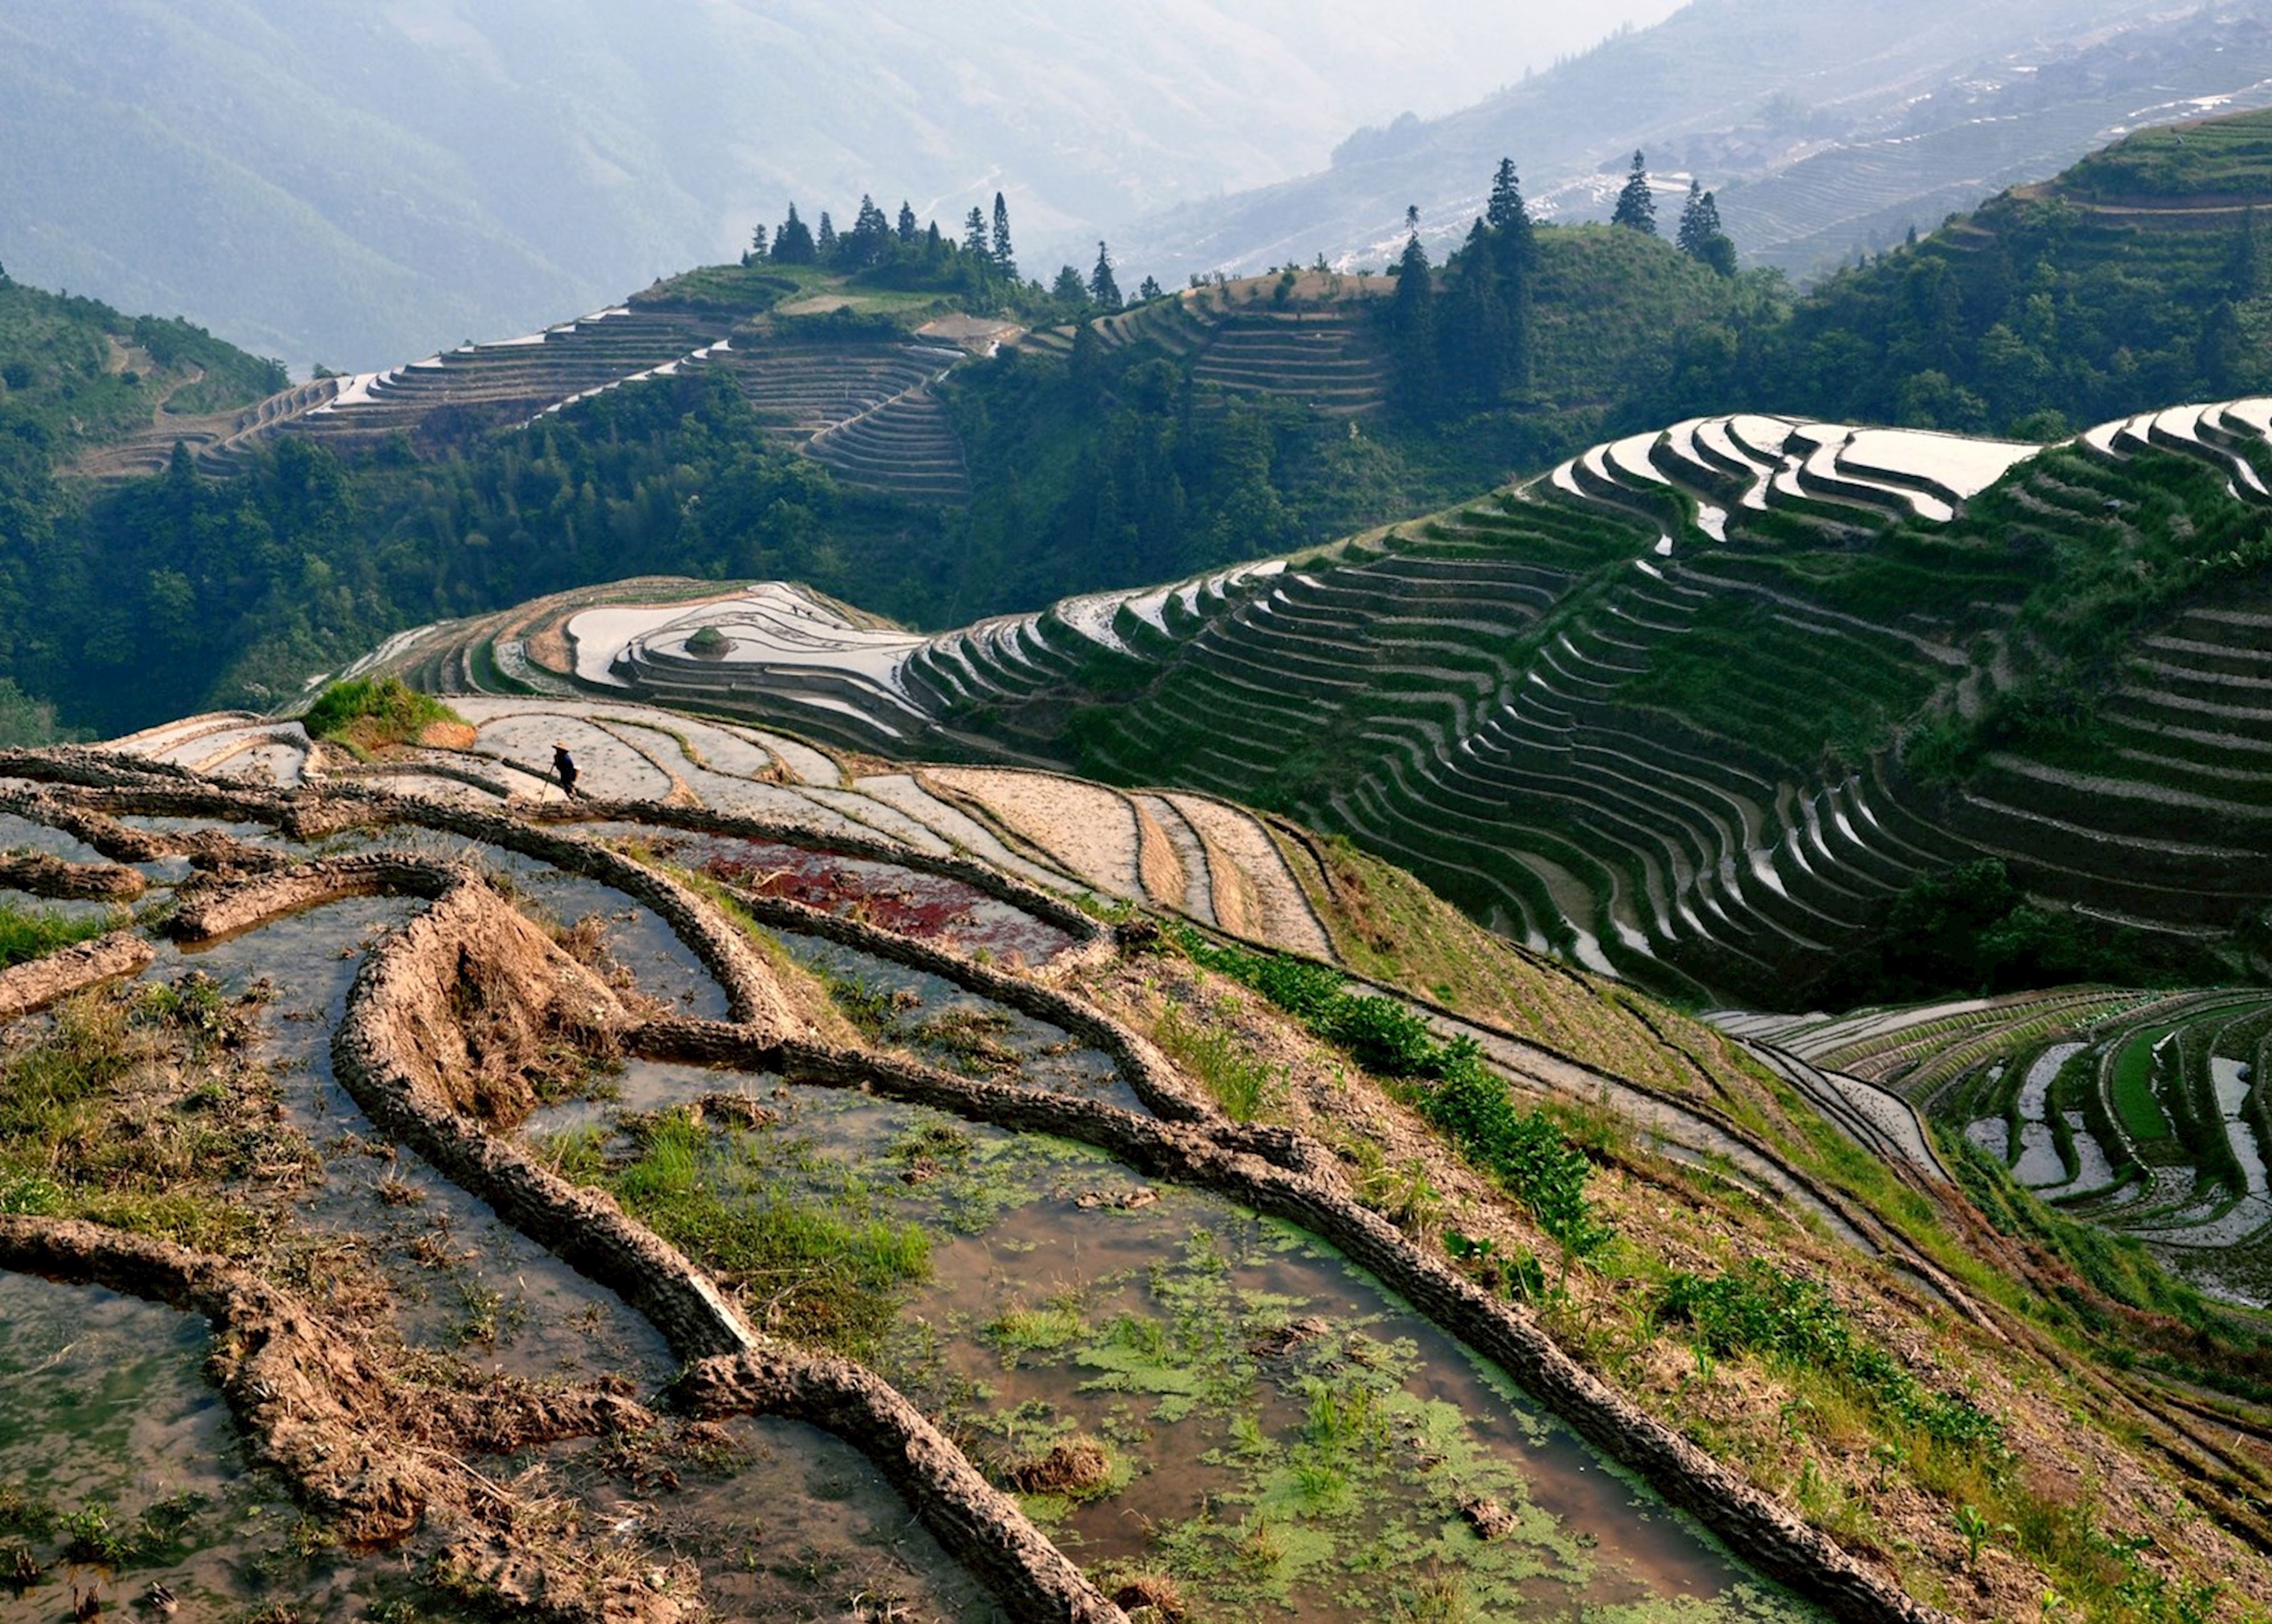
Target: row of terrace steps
[
  {"x": 216, "y": 441},
  {"x": 2229, "y": 436},
  {"x": 1321, "y": 359},
  {"x": 532, "y": 375},
  {"x": 804, "y": 389},
  {"x": 1726, "y": 466},
  {"x": 905, "y": 447}
]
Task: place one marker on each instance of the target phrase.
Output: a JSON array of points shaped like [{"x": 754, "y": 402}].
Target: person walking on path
[{"x": 564, "y": 764}]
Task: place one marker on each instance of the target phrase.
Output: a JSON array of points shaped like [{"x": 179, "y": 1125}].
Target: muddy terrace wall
[{"x": 401, "y": 1038}]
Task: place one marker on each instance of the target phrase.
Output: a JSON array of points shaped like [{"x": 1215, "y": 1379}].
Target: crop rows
[{"x": 2141, "y": 1112}]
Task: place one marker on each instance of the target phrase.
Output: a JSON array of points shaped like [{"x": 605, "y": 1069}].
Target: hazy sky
[{"x": 1509, "y": 35}]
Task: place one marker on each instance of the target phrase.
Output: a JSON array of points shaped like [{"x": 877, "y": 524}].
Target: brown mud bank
[{"x": 448, "y": 1032}]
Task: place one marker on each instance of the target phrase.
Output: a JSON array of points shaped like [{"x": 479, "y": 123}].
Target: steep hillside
[
  {"x": 1713, "y": 707},
  {"x": 351, "y": 186},
  {"x": 78, "y": 378},
  {"x": 1824, "y": 127},
  {"x": 892, "y": 434},
  {"x": 763, "y": 1086},
  {"x": 2134, "y": 279}
]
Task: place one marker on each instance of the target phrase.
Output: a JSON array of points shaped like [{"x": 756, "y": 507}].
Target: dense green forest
[{"x": 74, "y": 373}]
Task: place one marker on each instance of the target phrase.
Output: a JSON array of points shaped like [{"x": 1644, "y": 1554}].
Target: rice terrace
[{"x": 1551, "y": 905}]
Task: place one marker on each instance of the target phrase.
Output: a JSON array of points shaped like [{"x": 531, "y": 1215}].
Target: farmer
[{"x": 564, "y": 765}]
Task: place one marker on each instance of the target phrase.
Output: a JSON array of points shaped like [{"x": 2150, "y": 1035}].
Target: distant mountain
[
  {"x": 1824, "y": 126},
  {"x": 355, "y": 184}
]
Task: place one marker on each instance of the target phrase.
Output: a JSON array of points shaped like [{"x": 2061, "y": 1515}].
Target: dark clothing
[{"x": 564, "y": 764}]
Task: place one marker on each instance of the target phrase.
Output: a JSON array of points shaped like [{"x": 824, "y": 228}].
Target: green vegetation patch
[
  {"x": 1456, "y": 1089},
  {"x": 1757, "y": 1308},
  {"x": 2132, "y": 1087},
  {"x": 371, "y": 713},
  {"x": 27, "y": 934},
  {"x": 828, "y": 1271}
]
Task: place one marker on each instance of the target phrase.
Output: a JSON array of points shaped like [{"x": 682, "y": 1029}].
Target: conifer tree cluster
[
  {"x": 1701, "y": 235},
  {"x": 1471, "y": 347},
  {"x": 899, "y": 251}
]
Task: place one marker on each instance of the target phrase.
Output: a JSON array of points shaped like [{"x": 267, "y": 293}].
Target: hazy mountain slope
[
  {"x": 1821, "y": 123},
  {"x": 355, "y": 184}
]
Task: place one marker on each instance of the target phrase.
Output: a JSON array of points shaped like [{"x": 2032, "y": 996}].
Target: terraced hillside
[
  {"x": 1310, "y": 341},
  {"x": 2139, "y": 1112},
  {"x": 1700, "y": 707},
  {"x": 864, "y": 405},
  {"x": 760, "y": 1185}
]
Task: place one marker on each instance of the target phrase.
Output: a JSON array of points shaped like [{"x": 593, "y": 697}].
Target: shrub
[
  {"x": 1458, "y": 1090},
  {"x": 1760, "y": 1309},
  {"x": 370, "y": 714}
]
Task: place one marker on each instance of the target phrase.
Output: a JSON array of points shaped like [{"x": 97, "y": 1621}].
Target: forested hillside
[
  {"x": 2134, "y": 279},
  {"x": 793, "y": 420},
  {"x": 76, "y": 375}
]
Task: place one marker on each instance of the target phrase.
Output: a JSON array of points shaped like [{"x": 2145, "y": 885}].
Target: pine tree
[
  {"x": 793, "y": 243},
  {"x": 1514, "y": 241},
  {"x": 974, "y": 236},
  {"x": 1701, "y": 235},
  {"x": 1636, "y": 204},
  {"x": 1150, "y": 289},
  {"x": 1412, "y": 319},
  {"x": 908, "y": 228},
  {"x": 1693, "y": 229},
  {"x": 1005, "y": 260},
  {"x": 1101, "y": 288},
  {"x": 1472, "y": 326},
  {"x": 1069, "y": 288},
  {"x": 825, "y": 243},
  {"x": 1719, "y": 247},
  {"x": 758, "y": 244},
  {"x": 869, "y": 241}
]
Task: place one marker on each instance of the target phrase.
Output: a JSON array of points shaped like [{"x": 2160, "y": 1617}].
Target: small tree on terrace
[
  {"x": 908, "y": 228},
  {"x": 757, "y": 245},
  {"x": 793, "y": 244},
  {"x": 1005, "y": 261},
  {"x": 1101, "y": 288},
  {"x": 1637, "y": 204},
  {"x": 825, "y": 243},
  {"x": 1069, "y": 288},
  {"x": 1150, "y": 289}
]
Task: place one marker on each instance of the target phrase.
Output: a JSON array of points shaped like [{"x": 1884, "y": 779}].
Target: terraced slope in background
[
  {"x": 1699, "y": 706},
  {"x": 863, "y": 405},
  {"x": 2142, "y": 1113},
  {"x": 843, "y": 1011}
]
